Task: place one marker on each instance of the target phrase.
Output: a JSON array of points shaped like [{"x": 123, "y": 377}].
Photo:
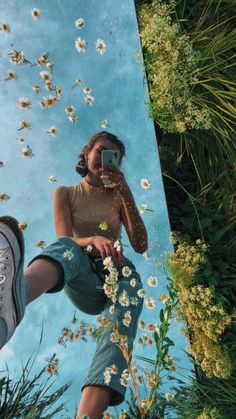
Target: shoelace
[{"x": 4, "y": 260}]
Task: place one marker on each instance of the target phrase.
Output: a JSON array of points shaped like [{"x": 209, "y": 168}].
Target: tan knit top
[{"x": 91, "y": 206}]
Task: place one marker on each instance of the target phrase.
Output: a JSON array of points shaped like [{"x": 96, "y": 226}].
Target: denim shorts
[{"x": 84, "y": 276}]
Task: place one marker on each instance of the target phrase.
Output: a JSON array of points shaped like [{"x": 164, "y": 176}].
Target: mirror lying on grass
[{"x": 68, "y": 74}]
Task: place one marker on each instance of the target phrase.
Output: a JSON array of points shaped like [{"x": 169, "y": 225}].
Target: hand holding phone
[{"x": 110, "y": 157}]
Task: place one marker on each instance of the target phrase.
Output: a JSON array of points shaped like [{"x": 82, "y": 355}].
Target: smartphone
[{"x": 110, "y": 157}]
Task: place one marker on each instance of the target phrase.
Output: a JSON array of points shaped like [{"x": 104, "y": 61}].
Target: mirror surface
[{"x": 36, "y": 162}]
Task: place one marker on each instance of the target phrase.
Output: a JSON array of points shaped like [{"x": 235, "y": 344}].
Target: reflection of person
[{"x": 78, "y": 211}]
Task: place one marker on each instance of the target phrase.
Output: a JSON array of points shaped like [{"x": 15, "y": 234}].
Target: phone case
[{"x": 110, "y": 157}]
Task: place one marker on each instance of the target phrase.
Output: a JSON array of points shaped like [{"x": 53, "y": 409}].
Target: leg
[
  {"x": 94, "y": 401},
  {"x": 42, "y": 275},
  {"x": 45, "y": 275},
  {"x": 17, "y": 289},
  {"x": 107, "y": 352}
]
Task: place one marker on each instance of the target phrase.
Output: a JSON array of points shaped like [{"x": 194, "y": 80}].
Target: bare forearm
[{"x": 136, "y": 226}]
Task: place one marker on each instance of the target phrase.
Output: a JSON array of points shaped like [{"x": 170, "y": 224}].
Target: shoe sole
[{"x": 17, "y": 281}]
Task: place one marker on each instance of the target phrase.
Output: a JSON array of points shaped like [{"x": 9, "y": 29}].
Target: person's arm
[
  {"x": 133, "y": 222},
  {"x": 62, "y": 217}
]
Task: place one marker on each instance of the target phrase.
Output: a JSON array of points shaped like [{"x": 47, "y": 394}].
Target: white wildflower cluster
[
  {"x": 110, "y": 285},
  {"x": 127, "y": 318},
  {"x": 68, "y": 254},
  {"x": 119, "y": 339},
  {"x": 173, "y": 71},
  {"x": 70, "y": 111},
  {"x": 108, "y": 371},
  {"x": 124, "y": 299},
  {"x": 125, "y": 376}
]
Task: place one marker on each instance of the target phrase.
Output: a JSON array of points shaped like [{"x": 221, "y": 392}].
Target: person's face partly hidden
[{"x": 95, "y": 155}]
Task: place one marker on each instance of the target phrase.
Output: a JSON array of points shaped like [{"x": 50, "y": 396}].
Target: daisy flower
[
  {"x": 52, "y": 131},
  {"x": 150, "y": 303},
  {"x": 80, "y": 45},
  {"x": 126, "y": 271},
  {"x": 103, "y": 225},
  {"x": 1, "y": 163},
  {"x": 27, "y": 152},
  {"x": 124, "y": 299},
  {"x": 141, "y": 293},
  {"x": 79, "y": 23},
  {"x": 169, "y": 396},
  {"x": 4, "y": 197},
  {"x": 22, "y": 226},
  {"x": 152, "y": 327},
  {"x": 104, "y": 123},
  {"x": 115, "y": 336},
  {"x": 72, "y": 117},
  {"x": 100, "y": 46},
  {"x": 107, "y": 375},
  {"x": 143, "y": 208},
  {"x": 48, "y": 85},
  {"x": 127, "y": 318},
  {"x": 68, "y": 254},
  {"x": 21, "y": 140},
  {"x": 145, "y": 183},
  {"x": 35, "y": 13},
  {"x": 124, "y": 378},
  {"x": 65, "y": 332},
  {"x": 90, "y": 329},
  {"x": 36, "y": 88},
  {"x": 50, "y": 100},
  {"x": 45, "y": 75},
  {"x": 107, "y": 262},
  {"x": 52, "y": 179},
  {"x": 43, "y": 60},
  {"x": 152, "y": 281},
  {"x": 58, "y": 91},
  {"x": 141, "y": 325},
  {"x": 89, "y": 248},
  {"x": 69, "y": 110},
  {"x": 163, "y": 298},
  {"x": 87, "y": 90},
  {"x": 17, "y": 57},
  {"x": 89, "y": 99},
  {"x": 114, "y": 369},
  {"x": 24, "y": 103},
  {"x": 77, "y": 83},
  {"x": 41, "y": 244},
  {"x": 117, "y": 245},
  {"x": 132, "y": 282},
  {"x": 5, "y": 27},
  {"x": 10, "y": 75}
]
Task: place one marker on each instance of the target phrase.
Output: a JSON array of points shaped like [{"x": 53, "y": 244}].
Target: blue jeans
[{"x": 82, "y": 274}]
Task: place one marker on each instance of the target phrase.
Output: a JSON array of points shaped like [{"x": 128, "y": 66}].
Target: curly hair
[{"x": 81, "y": 166}]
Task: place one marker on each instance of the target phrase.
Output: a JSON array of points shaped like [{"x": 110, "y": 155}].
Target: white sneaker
[{"x": 13, "y": 285}]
